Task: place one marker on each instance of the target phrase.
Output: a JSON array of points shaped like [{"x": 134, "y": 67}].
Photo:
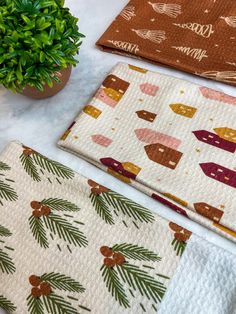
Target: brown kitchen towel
[
  {"x": 172, "y": 139},
  {"x": 194, "y": 36},
  {"x": 71, "y": 246}
]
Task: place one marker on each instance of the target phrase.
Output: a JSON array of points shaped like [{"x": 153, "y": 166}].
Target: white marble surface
[{"x": 39, "y": 124}]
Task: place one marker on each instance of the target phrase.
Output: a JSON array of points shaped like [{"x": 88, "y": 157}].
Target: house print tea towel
[
  {"x": 193, "y": 36},
  {"x": 173, "y": 140},
  {"x": 71, "y": 246}
]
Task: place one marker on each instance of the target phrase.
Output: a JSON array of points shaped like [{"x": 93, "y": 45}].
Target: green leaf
[
  {"x": 28, "y": 164},
  {"x": 39, "y": 85},
  {"x": 61, "y": 2},
  {"x": 136, "y": 252},
  {"x": 7, "y": 305},
  {"x": 128, "y": 207},
  {"x": 25, "y": 19},
  {"x": 38, "y": 230},
  {"x": 62, "y": 282},
  {"x": 7, "y": 192},
  {"x": 57, "y": 305},
  {"x": 35, "y": 305},
  {"x": 139, "y": 279},
  {"x": 53, "y": 167},
  {"x": 65, "y": 230},
  {"x": 114, "y": 286},
  {"x": 30, "y": 71},
  {"x": 47, "y": 3},
  {"x": 60, "y": 204},
  {"x": 42, "y": 56},
  {"x": 4, "y": 167},
  {"x": 4, "y": 232},
  {"x": 19, "y": 75},
  {"x": 101, "y": 208},
  {"x": 6, "y": 263}
]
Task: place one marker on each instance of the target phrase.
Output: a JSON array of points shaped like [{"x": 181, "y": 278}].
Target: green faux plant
[{"x": 37, "y": 38}]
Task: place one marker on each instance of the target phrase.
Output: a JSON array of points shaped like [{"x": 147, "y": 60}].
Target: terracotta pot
[{"x": 33, "y": 92}]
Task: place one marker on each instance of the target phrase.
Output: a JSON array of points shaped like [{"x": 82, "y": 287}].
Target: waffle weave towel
[
  {"x": 174, "y": 140},
  {"x": 193, "y": 36},
  {"x": 69, "y": 245},
  {"x": 207, "y": 277}
]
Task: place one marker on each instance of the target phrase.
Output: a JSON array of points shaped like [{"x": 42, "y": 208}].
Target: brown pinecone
[
  {"x": 106, "y": 251},
  {"x": 119, "y": 258},
  {"x": 45, "y": 210},
  {"x": 103, "y": 189},
  {"x": 36, "y": 213},
  {"x": 27, "y": 152},
  {"x": 175, "y": 227},
  {"x": 96, "y": 191},
  {"x": 109, "y": 262},
  {"x": 92, "y": 183},
  {"x": 35, "y": 205},
  {"x": 36, "y": 292},
  {"x": 181, "y": 237},
  {"x": 97, "y": 188},
  {"x": 187, "y": 233},
  {"x": 34, "y": 280},
  {"x": 45, "y": 288}
]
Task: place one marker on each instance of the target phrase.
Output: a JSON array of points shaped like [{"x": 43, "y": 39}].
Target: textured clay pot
[{"x": 33, "y": 92}]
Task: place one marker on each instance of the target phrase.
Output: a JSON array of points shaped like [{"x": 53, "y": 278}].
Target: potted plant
[{"x": 39, "y": 41}]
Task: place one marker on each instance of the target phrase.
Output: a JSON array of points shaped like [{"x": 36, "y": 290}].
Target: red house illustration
[
  {"x": 219, "y": 173},
  {"x": 214, "y": 140},
  {"x": 169, "y": 204},
  {"x": 125, "y": 169}
]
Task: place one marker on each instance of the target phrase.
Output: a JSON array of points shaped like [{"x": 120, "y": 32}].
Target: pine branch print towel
[
  {"x": 173, "y": 140},
  {"x": 193, "y": 36},
  {"x": 69, "y": 245}
]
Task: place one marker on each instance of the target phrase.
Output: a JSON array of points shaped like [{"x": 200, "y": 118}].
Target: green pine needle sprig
[
  {"x": 35, "y": 305},
  {"x": 179, "y": 246},
  {"x": 140, "y": 280},
  {"x": 60, "y": 205},
  {"x": 4, "y": 166},
  {"x": 62, "y": 282},
  {"x": 57, "y": 305},
  {"x": 136, "y": 252},
  {"x": 7, "y": 305},
  {"x": 4, "y": 232},
  {"x": 6, "y": 264},
  {"x": 38, "y": 230},
  {"x": 101, "y": 208},
  {"x": 7, "y": 192},
  {"x": 65, "y": 230},
  {"x": 128, "y": 207},
  {"x": 114, "y": 286},
  {"x": 52, "y": 166},
  {"x": 30, "y": 168}
]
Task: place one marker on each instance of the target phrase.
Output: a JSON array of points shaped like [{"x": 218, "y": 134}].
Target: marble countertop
[{"x": 39, "y": 124}]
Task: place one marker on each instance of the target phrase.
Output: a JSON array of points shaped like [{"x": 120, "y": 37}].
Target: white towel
[{"x": 205, "y": 281}]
